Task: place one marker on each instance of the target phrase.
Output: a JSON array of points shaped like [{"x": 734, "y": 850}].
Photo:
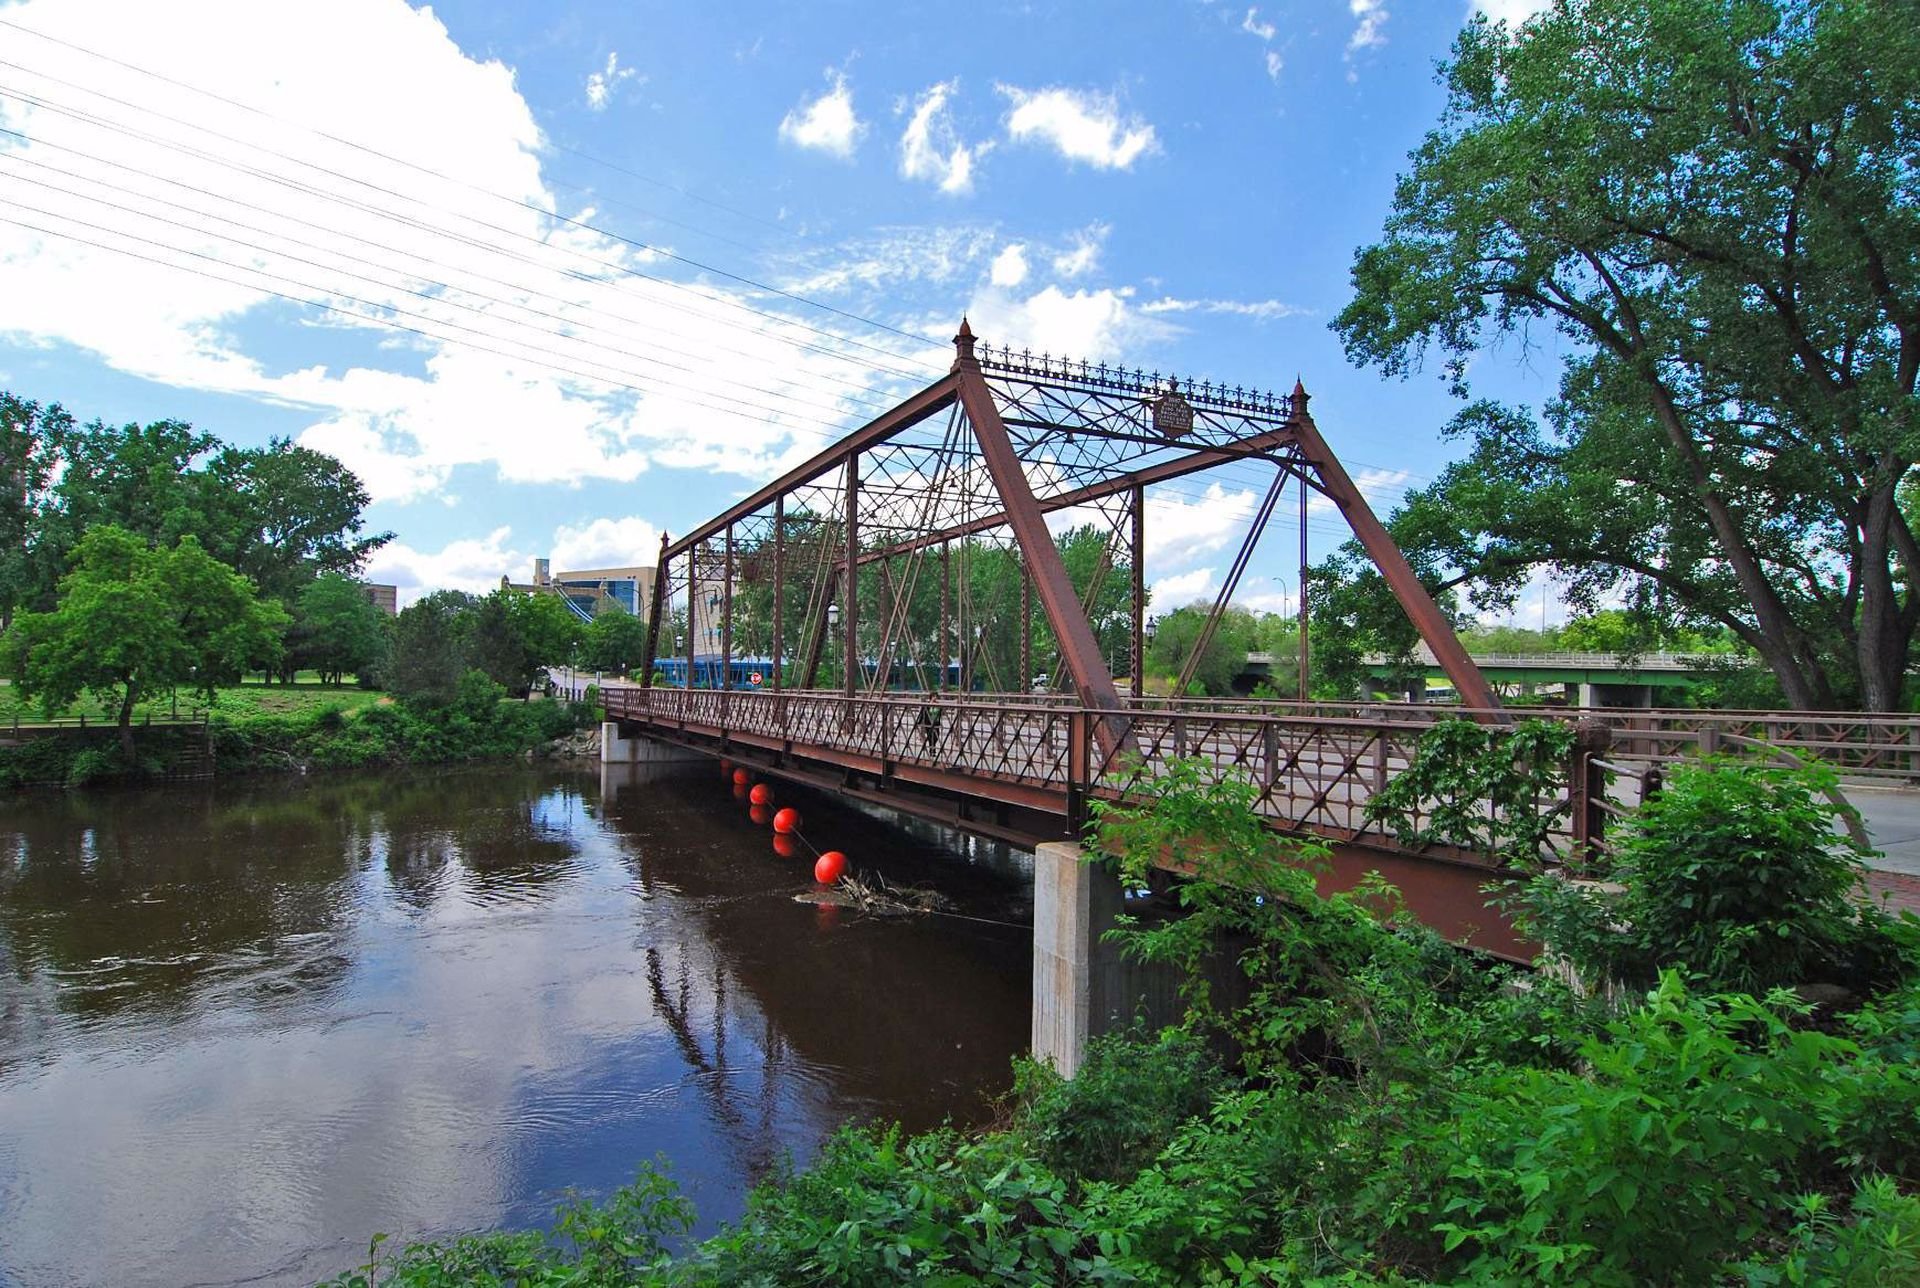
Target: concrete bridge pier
[
  {"x": 618, "y": 749},
  {"x": 1084, "y": 987}
]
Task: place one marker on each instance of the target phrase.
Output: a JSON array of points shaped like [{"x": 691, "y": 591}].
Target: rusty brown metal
[
  {"x": 1138, "y": 662},
  {"x": 655, "y": 606},
  {"x": 1259, "y": 447},
  {"x": 935, "y": 398},
  {"x": 779, "y": 580},
  {"x": 850, "y": 579},
  {"x": 1070, "y": 626},
  {"x": 817, "y": 632},
  {"x": 1425, "y": 615}
]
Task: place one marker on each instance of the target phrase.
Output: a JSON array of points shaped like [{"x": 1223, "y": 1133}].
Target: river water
[{"x": 244, "y": 1026}]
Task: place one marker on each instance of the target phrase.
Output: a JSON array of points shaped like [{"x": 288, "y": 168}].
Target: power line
[
  {"x": 349, "y": 143},
  {"x": 99, "y": 121},
  {"x": 863, "y": 395},
  {"x": 363, "y": 317}
]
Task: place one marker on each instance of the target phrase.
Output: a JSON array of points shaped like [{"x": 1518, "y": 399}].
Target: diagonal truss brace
[{"x": 1078, "y": 646}]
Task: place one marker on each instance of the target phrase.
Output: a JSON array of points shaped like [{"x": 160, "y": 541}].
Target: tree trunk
[
  {"x": 126, "y": 723},
  {"x": 1775, "y": 623},
  {"x": 1881, "y": 641}
]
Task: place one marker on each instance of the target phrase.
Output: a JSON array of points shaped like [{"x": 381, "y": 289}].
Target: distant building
[
  {"x": 384, "y": 598},
  {"x": 592, "y": 591}
]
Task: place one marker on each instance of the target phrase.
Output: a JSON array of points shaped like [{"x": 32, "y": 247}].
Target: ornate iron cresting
[{"x": 1120, "y": 380}]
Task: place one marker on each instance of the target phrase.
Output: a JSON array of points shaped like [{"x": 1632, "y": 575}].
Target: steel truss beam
[{"x": 1026, "y": 437}]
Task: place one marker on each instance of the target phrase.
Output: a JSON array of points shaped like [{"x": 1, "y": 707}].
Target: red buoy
[
  {"x": 758, "y": 814},
  {"x": 761, "y": 794},
  {"x": 741, "y": 777},
  {"x": 830, "y": 867},
  {"x": 785, "y": 846},
  {"x": 786, "y": 820}
]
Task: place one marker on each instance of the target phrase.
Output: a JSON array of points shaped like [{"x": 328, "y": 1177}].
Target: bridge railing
[{"x": 1314, "y": 771}]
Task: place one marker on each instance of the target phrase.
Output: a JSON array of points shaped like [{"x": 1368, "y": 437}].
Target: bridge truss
[{"x": 917, "y": 551}]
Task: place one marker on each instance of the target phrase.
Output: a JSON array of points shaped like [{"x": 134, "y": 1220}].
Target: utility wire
[
  {"x": 107, "y": 123},
  {"x": 349, "y": 143}
]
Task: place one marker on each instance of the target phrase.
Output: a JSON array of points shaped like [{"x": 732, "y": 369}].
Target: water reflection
[{"x": 241, "y": 1028}]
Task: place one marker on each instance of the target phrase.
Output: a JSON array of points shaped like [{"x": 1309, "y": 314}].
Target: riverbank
[{"x": 300, "y": 731}]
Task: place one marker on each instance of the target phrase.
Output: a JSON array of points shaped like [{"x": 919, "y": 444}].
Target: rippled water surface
[{"x": 244, "y": 1027}]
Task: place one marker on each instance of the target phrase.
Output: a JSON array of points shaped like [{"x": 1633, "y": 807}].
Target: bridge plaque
[{"x": 1172, "y": 415}]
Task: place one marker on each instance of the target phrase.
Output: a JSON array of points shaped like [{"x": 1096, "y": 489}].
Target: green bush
[
  {"x": 1736, "y": 872},
  {"x": 1132, "y": 1093}
]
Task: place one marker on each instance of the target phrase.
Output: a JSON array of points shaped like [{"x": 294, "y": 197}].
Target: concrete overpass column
[{"x": 1074, "y": 903}]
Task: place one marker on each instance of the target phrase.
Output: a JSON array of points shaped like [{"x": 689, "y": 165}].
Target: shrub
[
  {"x": 1735, "y": 872},
  {"x": 1132, "y": 1092}
]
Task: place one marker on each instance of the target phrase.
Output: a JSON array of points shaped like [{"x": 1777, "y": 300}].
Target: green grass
[{"x": 250, "y": 698}]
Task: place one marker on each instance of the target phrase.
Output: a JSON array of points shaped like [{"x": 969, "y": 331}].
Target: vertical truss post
[
  {"x": 779, "y": 578},
  {"x": 883, "y": 660},
  {"x": 726, "y": 616},
  {"x": 850, "y": 579},
  {"x": 655, "y": 607},
  {"x": 1425, "y": 615},
  {"x": 1091, "y": 681},
  {"x": 1303, "y": 586},
  {"x": 946, "y": 654},
  {"x": 693, "y": 607},
  {"x": 1138, "y": 657},
  {"x": 817, "y": 635},
  {"x": 1026, "y": 628}
]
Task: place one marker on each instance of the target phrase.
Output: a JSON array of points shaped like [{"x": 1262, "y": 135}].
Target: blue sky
[{"x": 520, "y": 266}]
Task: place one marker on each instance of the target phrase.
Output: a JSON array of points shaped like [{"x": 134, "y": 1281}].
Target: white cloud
[
  {"x": 1170, "y": 593},
  {"x": 1010, "y": 266},
  {"x": 602, "y": 84},
  {"x": 930, "y": 147},
  {"x": 533, "y": 348},
  {"x": 473, "y": 564},
  {"x": 1080, "y": 125},
  {"x": 1274, "y": 64},
  {"x": 1253, "y": 26},
  {"x": 1259, "y": 310},
  {"x": 1085, "y": 253},
  {"x": 894, "y": 257},
  {"x": 1511, "y": 12},
  {"x": 606, "y": 543},
  {"x": 1370, "y": 20},
  {"x": 827, "y": 124},
  {"x": 1181, "y": 530},
  {"x": 1081, "y": 323}
]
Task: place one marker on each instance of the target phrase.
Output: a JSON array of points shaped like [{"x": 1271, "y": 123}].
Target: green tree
[
  {"x": 495, "y": 644},
  {"x": 136, "y": 620},
  {"x": 280, "y": 514},
  {"x": 615, "y": 641},
  {"x": 1714, "y": 203},
  {"x": 284, "y": 514},
  {"x": 336, "y": 629},
  {"x": 1176, "y": 634},
  {"x": 429, "y": 650},
  {"x": 550, "y": 632},
  {"x": 30, "y": 438}
]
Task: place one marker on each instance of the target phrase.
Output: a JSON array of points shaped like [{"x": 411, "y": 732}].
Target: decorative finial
[
  {"x": 963, "y": 346},
  {"x": 1299, "y": 397}
]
